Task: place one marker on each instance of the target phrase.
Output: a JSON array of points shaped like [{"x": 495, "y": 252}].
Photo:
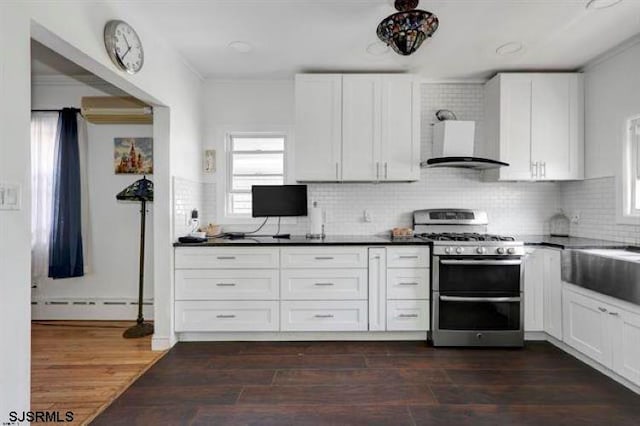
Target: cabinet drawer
[
  {"x": 227, "y": 284},
  {"x": 226, "y": 316},
  {"x": 407, "y": 315},
  {"x": 323, "y": 315},
  {"x": 405, "y": 283},
  {"x": 324, "y": 284},
  {"x": 226, "y": 257},
  {"x": 408, "y": 257},
  {"x": 322, "y": 257}
]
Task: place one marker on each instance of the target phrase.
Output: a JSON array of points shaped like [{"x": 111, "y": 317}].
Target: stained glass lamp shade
[
  {"x": 140, "y": 190},
  {"x": 406, "y": 30}
]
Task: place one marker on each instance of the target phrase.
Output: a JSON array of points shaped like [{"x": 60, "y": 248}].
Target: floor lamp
[{"x": 142, "y": 191}]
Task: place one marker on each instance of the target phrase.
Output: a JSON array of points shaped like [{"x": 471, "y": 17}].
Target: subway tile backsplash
[
  {"x": 593, "y": 201},
  {"x": 187, "y": 195}
]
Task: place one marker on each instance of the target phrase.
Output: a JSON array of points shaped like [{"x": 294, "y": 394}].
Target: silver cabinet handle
[
  {"x": 408, "y": 316},
  {"x": 482, "y": 262},
  {"x": 226, "y": 284},
  {"x": 601, "y": 309},
  {"x": 324, "y": 284},
  {"x": 377, "y": 171},
  {"x": 407, "y": 283},
  {"x": 226, "y": 257},
  {"x": 407, "y": 257},
  {"x": 323, "y": 316},
  {"x": 225, "y": 316},
  {"x": 479, "y": 299},
  {"x": 385, "y": 170},
  {"x": 534, "y": 169},
  {"x": 337, "y": 172},
  {"x": 615, "y": 314},
  {"x": 324, "y": 257},
  {"x": 544, "y": 169}
]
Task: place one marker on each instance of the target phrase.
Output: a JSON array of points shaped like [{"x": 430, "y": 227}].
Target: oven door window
[
  {"x": 478, "y": 313},
  {"x": 486, "y": 275}
]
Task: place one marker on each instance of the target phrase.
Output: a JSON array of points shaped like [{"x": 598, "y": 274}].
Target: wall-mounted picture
[
  {"x": 209, "y": 161},
  {"x": 133, "y": 156}
]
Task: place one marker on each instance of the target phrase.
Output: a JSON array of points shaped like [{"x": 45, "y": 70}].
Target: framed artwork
[
  {"x": 209, "y": 161},
  {"x": 133, "y": 156}
]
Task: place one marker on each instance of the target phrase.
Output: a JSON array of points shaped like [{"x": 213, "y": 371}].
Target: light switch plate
[{"x": 10, "y": 196}]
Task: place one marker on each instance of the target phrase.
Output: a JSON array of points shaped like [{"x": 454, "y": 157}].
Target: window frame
[
  {"x": 224, "y": 181},
  {"x": 629, "y": 179}
]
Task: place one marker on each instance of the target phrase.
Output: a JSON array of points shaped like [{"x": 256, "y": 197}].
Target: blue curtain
[{"x": 65, "y": 244}]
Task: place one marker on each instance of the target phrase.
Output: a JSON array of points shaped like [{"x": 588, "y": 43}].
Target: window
[
  {"x": 252, "y": 159},
  {"x": 631, "y": 170}
]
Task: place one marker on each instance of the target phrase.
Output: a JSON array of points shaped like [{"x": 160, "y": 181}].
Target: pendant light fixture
[{"x": 405, "y": 30}]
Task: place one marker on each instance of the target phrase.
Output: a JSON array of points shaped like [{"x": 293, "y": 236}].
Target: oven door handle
[
  {"x": 479, "y": 299},
  {"x": 510, "y": 262}
]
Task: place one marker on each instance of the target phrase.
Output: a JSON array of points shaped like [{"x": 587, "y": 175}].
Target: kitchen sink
[{"x": 614, "y": 272}]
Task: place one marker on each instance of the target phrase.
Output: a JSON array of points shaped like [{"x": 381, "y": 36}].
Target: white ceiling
[{"x": 291, "y": 36}]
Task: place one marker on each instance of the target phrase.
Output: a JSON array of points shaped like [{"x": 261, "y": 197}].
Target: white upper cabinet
[
  {"x": 400, "y": 143},
  {"x": 379, "y": 128},
  {"x": 361, "y": 127},
  {"x": 535, "y": 122},
  {"x": 318, "y": 127}
]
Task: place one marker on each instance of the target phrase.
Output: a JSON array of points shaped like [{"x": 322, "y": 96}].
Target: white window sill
[{"x": 628, "y": 220}]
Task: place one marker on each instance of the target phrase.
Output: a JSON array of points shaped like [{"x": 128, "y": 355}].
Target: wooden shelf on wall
[{"x": 116, "y": 110}]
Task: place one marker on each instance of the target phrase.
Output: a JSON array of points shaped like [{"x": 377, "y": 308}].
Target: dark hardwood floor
[{"x": 386, "y": 383}]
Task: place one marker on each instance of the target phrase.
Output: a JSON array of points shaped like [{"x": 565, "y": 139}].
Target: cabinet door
[
  {"x": 556, "y": 121},
  {"x": 400, "y": 142},
  {"x": 533, "y": 291},
  {"x": 625, "y": 328},
  {"x": 552, "y": 294},
  {"x": 377, "y": 289},
  {"x": 586, "y": 326},
  {"x": 318, "y": 127},
  {"x": 515, "y": 127},
  {"x": 361, "y": 128}
]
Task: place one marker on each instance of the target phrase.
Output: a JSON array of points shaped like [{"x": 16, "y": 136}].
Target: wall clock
[{"x": 124, "y": 46}]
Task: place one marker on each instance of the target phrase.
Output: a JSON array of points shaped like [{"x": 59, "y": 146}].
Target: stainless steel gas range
[{"x": 477, "y": 280}]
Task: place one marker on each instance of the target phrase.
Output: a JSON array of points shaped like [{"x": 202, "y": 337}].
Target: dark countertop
[
  {"x": 568, "y": 242},
  {"x": 300, "y": 240},
  {"x": 382, "y": 240}
]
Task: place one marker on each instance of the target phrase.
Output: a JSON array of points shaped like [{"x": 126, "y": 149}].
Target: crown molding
[{"x": 609, "y": 54}]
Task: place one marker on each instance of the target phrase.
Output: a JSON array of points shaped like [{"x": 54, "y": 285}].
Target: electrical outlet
[
  {"x": 575, "y": 217},
  {"x": 10, "y": 196},
  {"x": 367, "y": 217}
]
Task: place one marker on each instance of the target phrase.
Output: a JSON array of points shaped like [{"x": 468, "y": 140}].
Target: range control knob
[
  {"x": 500, "y": 250},
  {"x": 459, "y": 250},
  {"x": 511, "y": 250},
  {"x": 481, "y": 250},
  {"x": 447, "y": 250}
]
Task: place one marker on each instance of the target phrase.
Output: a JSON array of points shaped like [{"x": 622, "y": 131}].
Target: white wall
[
  {"x": 612, "y": 95},
  {"x": 75, "y": 30},
  {"x": 114, "y": 226},
  {"x": 512, "y": 207}
]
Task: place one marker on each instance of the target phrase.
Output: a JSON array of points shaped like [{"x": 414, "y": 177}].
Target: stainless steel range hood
[{"x": 453, "y": 143}]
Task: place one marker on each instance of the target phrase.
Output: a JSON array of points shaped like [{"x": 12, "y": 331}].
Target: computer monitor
[{"x": 279, "y": 200}]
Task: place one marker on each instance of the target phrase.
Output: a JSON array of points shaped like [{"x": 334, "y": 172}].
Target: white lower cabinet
[
  {"x": 605, "y": 329},
  {"x": 407, "y": 315},
  {"x": 244, "y": 315},
  {"x": 405, "y": 283},
  {"x": 586, "y": 326},
  {"x": 322, "y": 315},
  {"x": 533, "y": 290},
  {"x": 227, "y": 284},
  {"x": 324, "y": 284},
  {"x": 626, "y": 343}
]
